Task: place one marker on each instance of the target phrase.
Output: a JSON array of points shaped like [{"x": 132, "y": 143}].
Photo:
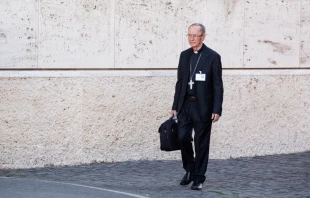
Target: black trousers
[{"x": 189, "y": 119}]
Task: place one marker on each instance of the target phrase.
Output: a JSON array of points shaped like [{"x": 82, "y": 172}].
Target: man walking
[{"x": 197, "y": 103}]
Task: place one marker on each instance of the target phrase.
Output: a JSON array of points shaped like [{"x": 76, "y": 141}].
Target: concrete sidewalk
[{"x": 267, "y": 176}]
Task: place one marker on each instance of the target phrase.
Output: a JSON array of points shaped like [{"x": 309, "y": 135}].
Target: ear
[{"x": 203, "y": 37}]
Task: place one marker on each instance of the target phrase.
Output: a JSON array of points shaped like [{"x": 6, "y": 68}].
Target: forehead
[{"x": 194, "y": 29}]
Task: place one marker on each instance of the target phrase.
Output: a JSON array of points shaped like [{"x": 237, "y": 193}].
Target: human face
[{"x": 196, "y": 37}]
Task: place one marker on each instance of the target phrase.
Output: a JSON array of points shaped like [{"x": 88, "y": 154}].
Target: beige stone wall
[
  {"x": 103, "y": 118},
  {"x": 150, "y": 34},
  {"x": 56, "y": 117}
]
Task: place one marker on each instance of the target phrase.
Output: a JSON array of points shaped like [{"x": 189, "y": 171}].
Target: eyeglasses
[{"x": 193, "y": 36}]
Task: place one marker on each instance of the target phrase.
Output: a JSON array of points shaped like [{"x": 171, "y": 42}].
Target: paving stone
[{"x": 286, "y": 175}]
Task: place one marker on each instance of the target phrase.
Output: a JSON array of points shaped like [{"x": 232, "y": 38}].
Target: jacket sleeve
[
  {"x": 178, "y": 87},
  {"x": 218, "y": 89}
]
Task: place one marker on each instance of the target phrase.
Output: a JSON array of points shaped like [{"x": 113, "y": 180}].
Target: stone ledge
[{"x": 102, "y": 73}]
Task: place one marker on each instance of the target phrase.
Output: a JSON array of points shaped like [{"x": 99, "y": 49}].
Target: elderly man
[{"x": 197, "y": 103}]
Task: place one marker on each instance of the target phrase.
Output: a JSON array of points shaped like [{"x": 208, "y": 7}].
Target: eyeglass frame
[{"x": 194, "y": 36}]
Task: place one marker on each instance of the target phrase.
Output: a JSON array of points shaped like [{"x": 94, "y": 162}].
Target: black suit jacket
[{"x": 209, "y": 93}]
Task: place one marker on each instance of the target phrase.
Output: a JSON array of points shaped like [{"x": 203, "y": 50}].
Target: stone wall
[
  {"x": 151, "y": 34},
  {"x": 87, "y": 81},
  {"x": 102, "y": 118}
]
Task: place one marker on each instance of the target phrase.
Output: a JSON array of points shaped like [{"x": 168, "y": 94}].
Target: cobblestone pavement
[{"x": 266, "y": 176}]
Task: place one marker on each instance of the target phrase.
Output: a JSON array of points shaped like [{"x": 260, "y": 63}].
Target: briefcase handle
[{"x": 174, "y": 118}]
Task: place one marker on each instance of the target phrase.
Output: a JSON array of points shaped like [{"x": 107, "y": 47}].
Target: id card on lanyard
[{"x": 200, "y": 77}]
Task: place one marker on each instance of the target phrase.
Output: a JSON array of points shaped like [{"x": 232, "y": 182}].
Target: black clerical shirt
[{"x": 191, "y": 68}]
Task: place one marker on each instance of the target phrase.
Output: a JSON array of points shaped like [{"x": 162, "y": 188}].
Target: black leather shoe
[
  {"x": 196, "y": 186},
  {"x": 186, "y": 179}
]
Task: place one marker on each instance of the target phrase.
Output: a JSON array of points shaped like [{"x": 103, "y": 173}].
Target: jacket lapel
[
  {"x": 203, "y": 59},
  {"x": 187, "y": 63}
]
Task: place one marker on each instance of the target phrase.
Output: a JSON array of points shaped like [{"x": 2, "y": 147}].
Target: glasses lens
[{"x": 193, "y": 36}]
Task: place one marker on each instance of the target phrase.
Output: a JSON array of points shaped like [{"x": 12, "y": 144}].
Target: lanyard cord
[{"x": 190, "y": 67}]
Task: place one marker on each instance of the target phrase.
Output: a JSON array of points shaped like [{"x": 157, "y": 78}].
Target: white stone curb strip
[{"x": 101, "y": 73}]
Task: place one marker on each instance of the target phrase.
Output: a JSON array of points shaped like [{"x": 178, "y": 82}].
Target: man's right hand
[{"x": 174, "y": 113}]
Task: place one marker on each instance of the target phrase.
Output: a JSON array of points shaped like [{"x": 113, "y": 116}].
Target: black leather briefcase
[{"x": 169, "y": 135}]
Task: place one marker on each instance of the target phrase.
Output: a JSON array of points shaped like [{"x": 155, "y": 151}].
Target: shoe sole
[
  {"x": 197, "y": 188},
  {"x": 185, "y": 184}
]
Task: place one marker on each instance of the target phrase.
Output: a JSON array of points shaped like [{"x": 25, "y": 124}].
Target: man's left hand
[{"x": 215, "y": 117}]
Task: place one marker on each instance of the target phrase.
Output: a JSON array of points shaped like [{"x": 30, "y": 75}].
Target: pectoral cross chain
[{"x": 190, "y": 71}]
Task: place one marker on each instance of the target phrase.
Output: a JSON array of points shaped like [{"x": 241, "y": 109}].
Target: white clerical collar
[{"x": 198, "y": 51}]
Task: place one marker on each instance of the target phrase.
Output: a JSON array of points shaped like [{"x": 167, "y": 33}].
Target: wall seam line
[
  {"x": 243, "y": 32},
  {"x": 38, "y": 34},
  {"x": 299, "y": 50},
  {"x": 182, "y": 27},
  {"x": 114, "y": 29}
]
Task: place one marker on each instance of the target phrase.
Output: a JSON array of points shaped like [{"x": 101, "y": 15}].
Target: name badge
[{"x": 200, "y": 77}]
